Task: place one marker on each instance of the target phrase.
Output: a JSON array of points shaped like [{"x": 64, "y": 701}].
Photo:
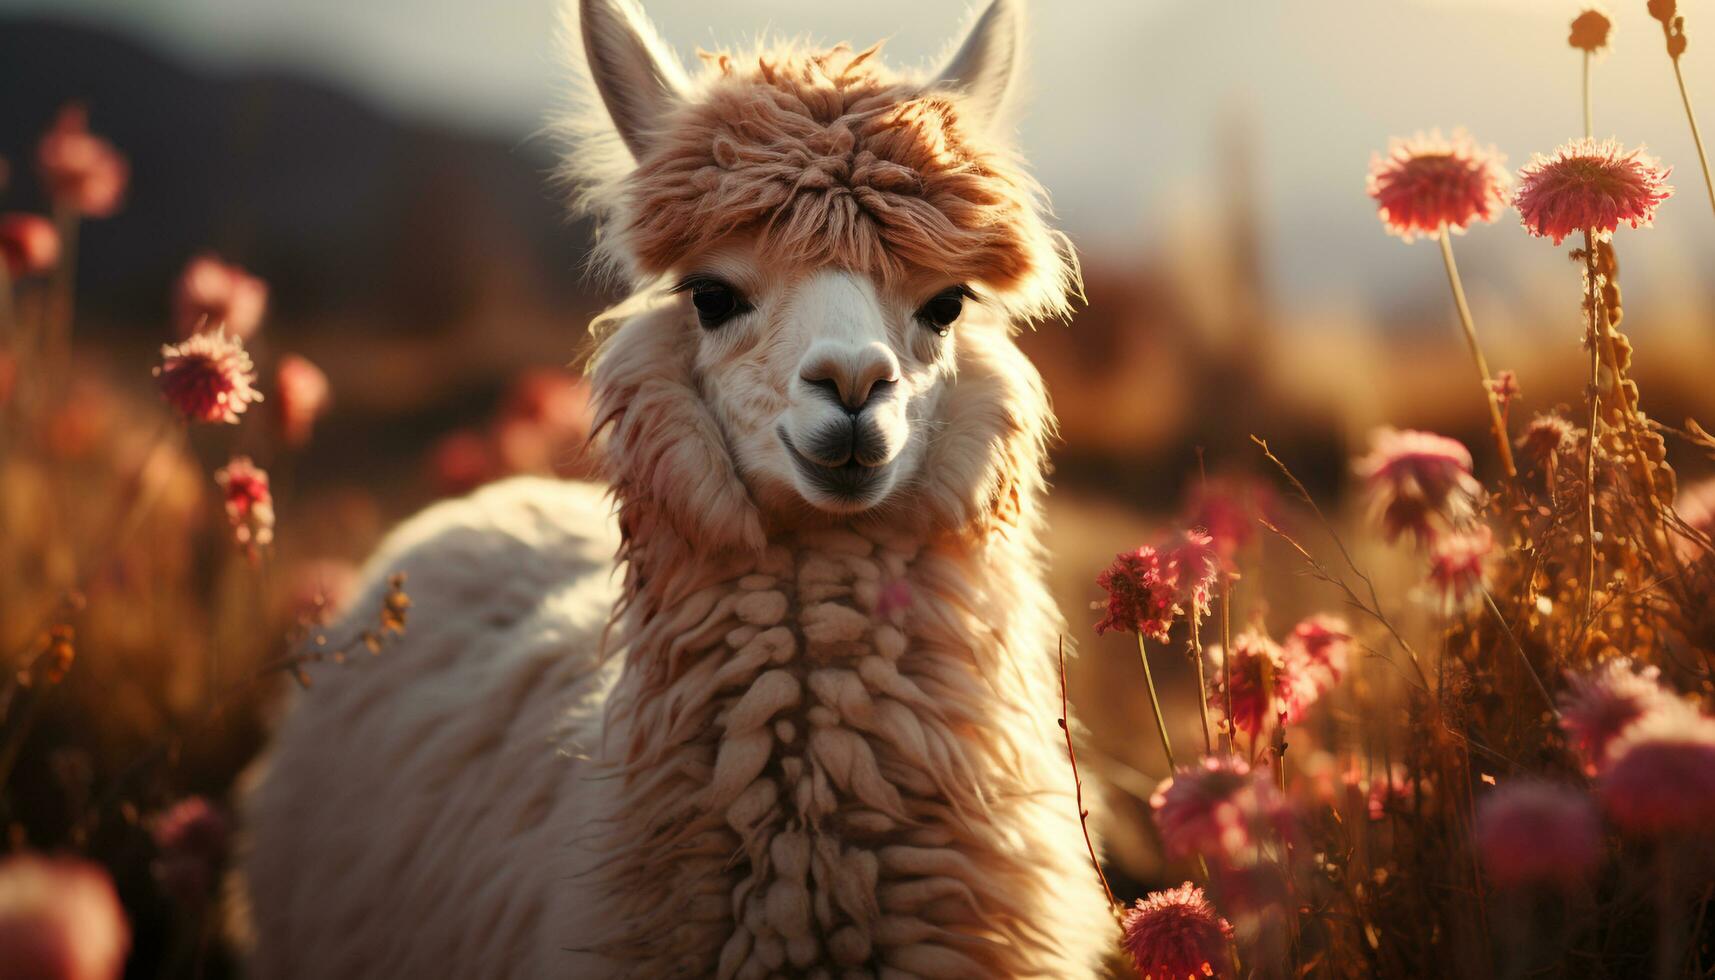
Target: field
[{"x": 1391, "y": 632}]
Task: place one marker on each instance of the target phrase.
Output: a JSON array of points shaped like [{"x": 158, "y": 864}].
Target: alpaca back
[{"x": 413, "y": 815}]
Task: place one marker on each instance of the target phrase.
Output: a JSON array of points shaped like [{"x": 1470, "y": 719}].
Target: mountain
[{"x": 345, "y": 210}]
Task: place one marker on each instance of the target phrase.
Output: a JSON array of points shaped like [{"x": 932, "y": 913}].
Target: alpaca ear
[
  {"x": 635, "y": 72},
  {"x": 987, "y": 64}
]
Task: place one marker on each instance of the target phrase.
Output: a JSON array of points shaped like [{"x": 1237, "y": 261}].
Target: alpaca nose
[{"x": 851, "y": 376}]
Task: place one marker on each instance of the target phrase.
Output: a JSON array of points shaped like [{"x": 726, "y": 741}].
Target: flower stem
[
  {"x": 1227, "y": 661},
  {"x": 1592, "y": 298},
  {"x": 1696, "y": 136},
  {"x": 1202, "y": 683},
  {"x": 1465, "y": 320},
  {"x": 1589, "y": 125},
  {"x": 1155, "y": 703}
]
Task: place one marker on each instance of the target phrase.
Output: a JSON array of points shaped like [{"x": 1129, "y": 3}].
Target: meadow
[{"x": 1390, "y": 653}]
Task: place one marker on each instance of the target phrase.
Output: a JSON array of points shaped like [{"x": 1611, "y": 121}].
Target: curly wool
[{"x": 831, "y": 159}]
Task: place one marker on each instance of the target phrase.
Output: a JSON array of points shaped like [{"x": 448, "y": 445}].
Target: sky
[{"x": 1128, "y": 101}]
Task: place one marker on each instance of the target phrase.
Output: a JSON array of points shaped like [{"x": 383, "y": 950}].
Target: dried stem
[
  {"x": 1226, "y": 661},
  {"x": 1496, "y": 422},
  {"x": 1078, "y": 785},
  {"x": 1592, "y": 298},
  {"x": 1489, "y": 600},
  {"x": 1373, "y": 608},
  {"x": 1155, "y": 703},
  {"x": 1202, "y": 682},
  {"x": 1696, "y": 135}
]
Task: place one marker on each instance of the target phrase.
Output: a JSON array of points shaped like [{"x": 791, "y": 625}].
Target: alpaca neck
[{"x": 805, "y": 735}]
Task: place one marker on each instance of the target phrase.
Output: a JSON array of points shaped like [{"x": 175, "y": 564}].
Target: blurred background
[{"x": 380, "y": 165}]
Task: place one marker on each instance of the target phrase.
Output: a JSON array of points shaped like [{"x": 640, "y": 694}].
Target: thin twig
[
  {"x": 1375, "y": 605},
  {"x": 1078, "y": 785},
  {"x": 1489, "y": 599}
]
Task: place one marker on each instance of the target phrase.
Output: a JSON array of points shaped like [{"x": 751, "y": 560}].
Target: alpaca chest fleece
[{"x": 829, "y": 770}]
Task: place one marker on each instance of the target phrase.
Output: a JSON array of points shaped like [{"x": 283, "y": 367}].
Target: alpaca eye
[
  {"x": 939, "y": 313},
  {"x": 716, "y": 302}
]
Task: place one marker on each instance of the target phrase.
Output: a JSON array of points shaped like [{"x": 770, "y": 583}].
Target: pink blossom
[
  {"x": 1660, "y": 775},
  {"x": 1195, "y": 564},
  {"x": 302, "y": 390},
  {"x": 1599, "y": 705},
  {"x": 1428, "y": 181},
  {"x": 29, "y": 245},
  {"x": 1505, "y": 386},
  {"x": 193, "y": 837},
  {"x": 211, "y": 294},
  {"x": 1220, "y": 808},
  {"x": 1141, "y": 594},
  {"x": 1318, "y": 648},
  {"x": 462, "y": 461},
  {"x": 1260, "y": 689},
  {"x": 1456, "y": 567},
  {"x": 83, "y": 172},
  {"x": 1591, "y": 186},
  {"x": 1227, "y": 510},
  {"x": 208, "y": 378},
  {"x": 60, "y": 919},
  {"x": 1537, "y": 833},
  {"x": 249, "y": 502},
  {"x": 1177, "y": 935},
  {"x": 1418, "y": 482},
  {"x": 1395, "y": 790}
]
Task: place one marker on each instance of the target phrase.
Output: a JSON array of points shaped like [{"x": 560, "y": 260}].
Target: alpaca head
[{"x": 831, "y": 260}]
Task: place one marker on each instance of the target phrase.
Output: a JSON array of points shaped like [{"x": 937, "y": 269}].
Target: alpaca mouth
[{"x": 850, "y": 483}]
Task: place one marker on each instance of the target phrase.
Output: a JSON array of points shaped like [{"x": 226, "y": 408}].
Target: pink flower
[
  {"x": 462, "y": 461},
  {"x": 1319, "y": 648},
  {"x": 1141, "y": 594},
  {"x": 1194, "y": 564},
  {"x": 1394, "y": 790},
  {"x": 1418, "y": 481},
  {"x": 1227, "y": 510},
  {"x": 1530, "y": 832},
  {"x": 249, "y": 503},
  {"x": 59, "y": 920},
  {"x": 1696, "y": 508},
  {"x": 193, "y": 838},
  {"x": 544, "y": 424},
  {"x": 302, "y": 390},
  {"x": 1176, "y": 935},
  {"x": 1505, "y": 386},
  {"x": 1598, "y": 706},
  {"x": 1222, "y": 809},
  {"x": 1427, "y": 181},
  {"x": 208, "y": 378},
  {"x": 83, "y": 172},
  {"x": 1456, "y": 567},
  {"x": 29, "y": 245},
  {"x": 1258, "y": 681},
  {"x": 1660, "y": 776},
  {"x": 211, "y": 294},
  {"x": 1590, "y": 186}
]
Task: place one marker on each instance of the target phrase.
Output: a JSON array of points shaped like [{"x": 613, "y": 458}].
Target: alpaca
[{"x": 806, "y": 726}]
